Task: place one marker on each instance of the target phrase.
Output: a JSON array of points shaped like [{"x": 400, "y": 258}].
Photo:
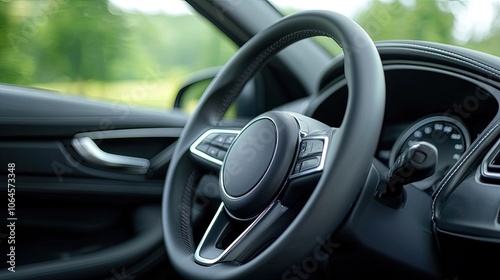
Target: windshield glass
[{"x": 467, "y": 23}]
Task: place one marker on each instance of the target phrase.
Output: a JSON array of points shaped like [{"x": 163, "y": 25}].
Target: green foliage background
[{"x": 93, "y": 49}]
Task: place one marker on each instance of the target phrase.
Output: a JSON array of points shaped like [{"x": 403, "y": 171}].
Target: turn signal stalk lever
[{"x": 415, "y": 164}]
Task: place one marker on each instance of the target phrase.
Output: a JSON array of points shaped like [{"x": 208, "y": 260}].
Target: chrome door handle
[{"x": 91, "y": 153}]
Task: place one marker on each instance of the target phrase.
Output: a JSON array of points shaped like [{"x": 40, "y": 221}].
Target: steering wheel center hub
[
  {"x": 249, "y": 158},
  {"x": 251, "y": 176}
]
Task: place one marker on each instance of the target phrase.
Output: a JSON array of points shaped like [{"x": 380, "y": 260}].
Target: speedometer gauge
[{"x": 449, "y": 135}]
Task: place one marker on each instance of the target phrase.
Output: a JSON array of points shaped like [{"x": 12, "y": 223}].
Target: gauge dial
[{"x": 449, "y": 135}]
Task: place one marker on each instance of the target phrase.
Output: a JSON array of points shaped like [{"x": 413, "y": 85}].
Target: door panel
[
  {"x": 78, "y": 219},
  {"x": 27, "y": 112}
]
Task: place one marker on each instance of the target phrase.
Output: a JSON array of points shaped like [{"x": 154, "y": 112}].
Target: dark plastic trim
[{"x": 95, "y": 265}]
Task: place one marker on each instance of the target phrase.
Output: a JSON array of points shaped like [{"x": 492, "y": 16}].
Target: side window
[{"x": 133, "y": 52}]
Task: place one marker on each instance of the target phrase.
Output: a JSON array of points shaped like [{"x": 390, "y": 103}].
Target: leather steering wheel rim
[{"x": 346, "y": 165}]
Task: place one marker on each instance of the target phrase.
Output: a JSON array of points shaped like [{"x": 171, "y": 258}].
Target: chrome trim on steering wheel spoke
[{"x": 223, "y": 256}]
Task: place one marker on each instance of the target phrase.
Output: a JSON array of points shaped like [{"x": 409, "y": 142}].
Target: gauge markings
[{"x": 449, "y": 135}]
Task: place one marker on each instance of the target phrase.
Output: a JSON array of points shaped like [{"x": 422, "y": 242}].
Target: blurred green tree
[
  {"x": 74, "y": 41},
  {"x": 425, "y": 20},
  {"x": 13, "y": 68},
  {"x": 81, "y": 39}
]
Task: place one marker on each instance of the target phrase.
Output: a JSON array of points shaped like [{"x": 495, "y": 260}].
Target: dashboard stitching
[
  {"x": 454, "y": 58},
  {"x": 451, "y": 53},
  {"x": 455, "y": 169}
]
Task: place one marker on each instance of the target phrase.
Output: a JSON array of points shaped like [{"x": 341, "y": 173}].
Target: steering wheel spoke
[
  {"x": 229, "y": 240},
  {"x": 212, "y": 145}
]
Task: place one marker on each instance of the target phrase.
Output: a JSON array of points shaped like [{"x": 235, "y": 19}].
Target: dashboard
[
  {"x": 447, "y": 97},
  {"x": 425, "y": 102}
]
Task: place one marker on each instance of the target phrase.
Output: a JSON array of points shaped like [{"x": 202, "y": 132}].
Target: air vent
[{"x": 490, "y": 168}]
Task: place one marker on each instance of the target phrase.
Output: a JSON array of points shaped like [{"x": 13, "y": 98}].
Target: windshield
[{"x": 467, "y": 23}]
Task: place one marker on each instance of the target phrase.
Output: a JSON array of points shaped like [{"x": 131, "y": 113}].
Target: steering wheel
[{"x": 286, "y": 181}]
